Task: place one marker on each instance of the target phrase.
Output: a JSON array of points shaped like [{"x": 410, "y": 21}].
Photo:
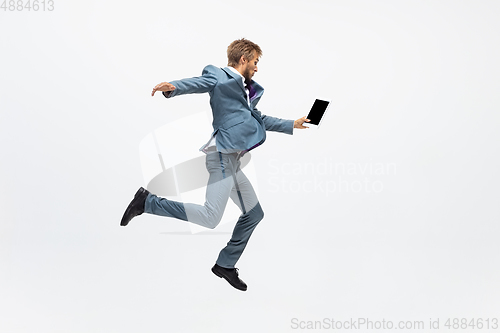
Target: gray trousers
[{"x": 226, "y": 181}]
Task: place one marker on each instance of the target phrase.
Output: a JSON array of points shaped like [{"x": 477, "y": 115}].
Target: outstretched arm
[
  {"x": 282, "y": 125},
  {"x": 196, "y": 85}
]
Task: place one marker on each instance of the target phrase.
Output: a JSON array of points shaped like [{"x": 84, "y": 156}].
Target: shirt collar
[{"x": 235, "y": 71}]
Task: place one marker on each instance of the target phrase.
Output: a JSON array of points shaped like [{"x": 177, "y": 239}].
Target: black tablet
[{"x": 317, "y": 113}]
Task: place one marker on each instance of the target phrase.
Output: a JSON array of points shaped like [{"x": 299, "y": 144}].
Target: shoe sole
[{"x": 125, "y": 223}]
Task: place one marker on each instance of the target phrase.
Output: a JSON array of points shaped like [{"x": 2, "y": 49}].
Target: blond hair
[{"x": 242, "y": 47}]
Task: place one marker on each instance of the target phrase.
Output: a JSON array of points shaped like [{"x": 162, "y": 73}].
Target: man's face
[{"x": 250, "y": 68}]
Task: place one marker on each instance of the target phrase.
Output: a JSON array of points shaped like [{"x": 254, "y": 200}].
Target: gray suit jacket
[{"x": 239, "y": 126}]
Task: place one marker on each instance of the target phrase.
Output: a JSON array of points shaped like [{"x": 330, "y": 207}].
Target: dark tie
[{"x": 251, "y": 90}]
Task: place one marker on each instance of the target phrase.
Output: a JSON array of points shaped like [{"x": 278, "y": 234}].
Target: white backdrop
[{"x": 388, "y": 212}]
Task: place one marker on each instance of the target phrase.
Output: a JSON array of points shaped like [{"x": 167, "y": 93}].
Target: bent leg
[
  {"x": 164, "y": 207},
  {"x": 220, "y": 182}
]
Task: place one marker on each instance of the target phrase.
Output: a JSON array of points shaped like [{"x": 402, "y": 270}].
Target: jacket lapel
[
  {"x": 236, "y": 77},
  {"x": 259, "y": 91},
  {"x": 258, "y": 88}
]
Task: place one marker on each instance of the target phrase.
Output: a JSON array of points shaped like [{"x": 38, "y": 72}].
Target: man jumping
[{"x": 238, "y": 128}]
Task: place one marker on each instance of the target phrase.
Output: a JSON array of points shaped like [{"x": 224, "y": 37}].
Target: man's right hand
[{"x": 164, "y": 86}]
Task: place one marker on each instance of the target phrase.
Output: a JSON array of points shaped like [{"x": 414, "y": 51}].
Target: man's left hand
[{"x": 298, "y": 123}]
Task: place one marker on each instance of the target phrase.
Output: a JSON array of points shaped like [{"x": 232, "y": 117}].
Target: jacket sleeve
[
  {"x": 196, "y": 85},
  {"x": 277, "y": 124}
]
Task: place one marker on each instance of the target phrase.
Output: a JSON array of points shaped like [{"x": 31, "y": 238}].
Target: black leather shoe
[
  {"x": 231, "y": 276},
  {"x": 136, "y": 206}
]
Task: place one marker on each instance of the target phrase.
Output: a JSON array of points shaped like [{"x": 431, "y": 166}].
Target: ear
[{"x": 242, "y": 60}]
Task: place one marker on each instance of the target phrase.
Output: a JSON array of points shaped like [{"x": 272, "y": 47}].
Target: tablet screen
[{"x": 317, "y": 111}]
